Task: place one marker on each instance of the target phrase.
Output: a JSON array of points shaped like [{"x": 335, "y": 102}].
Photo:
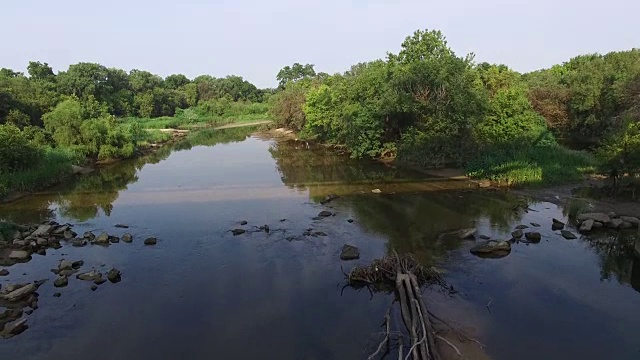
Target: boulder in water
[
  {"x": 517, "y": 234},
  {"x": 534, "y": 237},
  {"x": 599, "y": 217},
  {"x": 349, "y": 252},
  {"x": 127, "y": 238},
  {"x": 492, "y": 248},
  {"x": 568, "y": 235}
]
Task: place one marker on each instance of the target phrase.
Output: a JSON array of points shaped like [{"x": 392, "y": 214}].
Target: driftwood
[{"x": 404, "y": 276}]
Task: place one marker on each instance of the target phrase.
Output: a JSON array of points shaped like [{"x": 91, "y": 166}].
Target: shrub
[{"x": 16, "y": 152}]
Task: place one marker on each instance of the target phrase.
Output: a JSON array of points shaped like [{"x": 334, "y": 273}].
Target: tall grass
[
  {"x": 535, "y": 165},
  {"x": 54, "y": 166}
]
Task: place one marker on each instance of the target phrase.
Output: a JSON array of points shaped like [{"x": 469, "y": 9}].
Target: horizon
[{"x": 155, "y": 37}]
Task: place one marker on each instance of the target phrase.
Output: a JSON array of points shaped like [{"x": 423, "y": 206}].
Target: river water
[{"x": 202, "y": 293}]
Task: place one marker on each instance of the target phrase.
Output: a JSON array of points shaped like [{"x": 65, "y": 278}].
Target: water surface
[{"x": 203, "y": 293}]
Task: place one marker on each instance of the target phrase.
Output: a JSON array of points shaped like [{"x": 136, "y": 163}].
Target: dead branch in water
[{"x": 403, "y": 275}]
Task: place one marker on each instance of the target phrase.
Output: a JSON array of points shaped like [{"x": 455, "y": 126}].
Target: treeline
[
  {"x": 49, "y": 121},
  {"x": 428, "y": 106}
]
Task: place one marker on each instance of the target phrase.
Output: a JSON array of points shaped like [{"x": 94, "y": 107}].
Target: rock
[
  {"x": 127, "y": 238},
  {"x": 122, "y": 226},
  {"x": 632, "y": 220},
  {"x": 612, "y": 214},
  {"x": 69, "y": 234},
  {"x": 466, "y": 233},
  {"x": 243, "y": 222},
  {"x": 324, "y": 213},
  {"x": 534, "y": 237},
  {"x": 349, "y": 220},
  {"x": 614, "y": 223},
  {"x": 535, "y": 224},
  {"x": 320, "y": 233},
  {"x": 103, "y": 238},
  {"x": 329, "y": 198},
  {"x": 57, "y": 294},
  {"x": 557, "y": 226},
  {"x": 599, "y": 217},
  {"x": 349, "y": 252},
  {"x": 20, "y": 293},
  {"x": 94, "y": 287},
  {"x": 42, "y": 230},
  {"x": 21, "y": 242},
  {"x": 376, "y": 191},
  {"x": 42, "y": 242},
  {"x": 517, "y": 234},
  {"x": 283, "y": 220},
  {"x": 65, "y": 265},
  {"x": 597, "y": 225},
  {"x": 12, "y": 329},
  {"x": 28, "y": 311},
  {"x": 484, "y": 237},
  {"x": 41, "y": 252},
  {"x": 568, "y": 235},
  {"x": 60, "y": 230},
  {"x": 152, "y": 240},
  {"x": 100, "y": 281},
  {"x": 483, "y": 184},
  {"x": 556, "y": 221},
  {"x": 114, "y": 275},
  {"x": 586, "y": 225},
  {"x": 236, "y": 232},
  {"x": 79, "y": 170},
  {"x": 266, "y": 228},
  {"x": 521, "y": 227},
  {"x": 67, "y": 272},
  {"x": 4, "y": 272},
  {"x": 19, "y": 255},
  {"x": 89, "y": 236},
  {"x": 90, "y": 275},
  {"x": 61, "y": 281},
  {"x": 114, "y": 239},
  {"x": 492, "y": 247},
  {"x": 78, "y": 242},
  {"x": 626, "y": 225},
  {"x": 77, "y": 264}
]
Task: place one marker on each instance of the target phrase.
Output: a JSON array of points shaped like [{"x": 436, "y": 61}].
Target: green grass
[
  {"x": 54, "y": 166},
  {"x": 532, "y": 166}
]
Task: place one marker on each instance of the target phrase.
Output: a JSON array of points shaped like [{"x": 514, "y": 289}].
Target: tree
[
  {"x": 40, "y": 71},
  {"x": 176, "y": 81},
  {"x": 84, "y": 80},
  {"x": 294, "y": 73}
]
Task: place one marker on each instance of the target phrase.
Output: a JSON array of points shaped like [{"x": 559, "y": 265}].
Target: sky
[{"x": 256, "y": 38}]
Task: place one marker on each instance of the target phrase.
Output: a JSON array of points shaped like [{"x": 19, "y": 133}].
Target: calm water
[{"x": 202, "y": 293}]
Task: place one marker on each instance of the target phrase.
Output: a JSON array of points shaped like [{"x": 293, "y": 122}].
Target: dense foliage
[{"x": 430, "y": 107}]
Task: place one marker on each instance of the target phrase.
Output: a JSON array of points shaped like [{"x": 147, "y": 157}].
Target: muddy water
[{"x": 202, "y": 293}]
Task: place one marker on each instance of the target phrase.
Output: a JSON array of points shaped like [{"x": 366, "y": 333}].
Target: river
[{"x": 203, "y": 293}]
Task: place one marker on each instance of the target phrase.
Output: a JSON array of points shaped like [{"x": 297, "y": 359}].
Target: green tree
[
  {"x": 40, "y": 71},
  {"x": 294, "y": 73},
  {"x": 176, "y": 81}
]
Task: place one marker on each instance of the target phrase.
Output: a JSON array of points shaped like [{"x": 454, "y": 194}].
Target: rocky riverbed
[{"x": 21, "y": 243}]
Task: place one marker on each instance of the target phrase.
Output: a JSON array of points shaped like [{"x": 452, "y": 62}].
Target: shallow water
[{"x": 202, "y": 293}]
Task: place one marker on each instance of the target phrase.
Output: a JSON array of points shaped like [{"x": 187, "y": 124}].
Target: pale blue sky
[{"x": 255, "y": 38}]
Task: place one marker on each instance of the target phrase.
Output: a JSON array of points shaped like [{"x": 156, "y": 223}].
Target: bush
[
  {"x": 621, "y": 151},
  {"x": 16, "y": 152}
]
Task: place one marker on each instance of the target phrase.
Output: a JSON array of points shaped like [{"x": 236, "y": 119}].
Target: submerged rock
[
  {"x": 534, "y": 237},
  {"x": 150, "y": 241},
  {"x": 493, "y": 248},
  {"x": 517, "y": 234},
  {"x": 349, "y": 252},
  {"x": 599, "y": 217},
  {"x": 114, "y": 239},
  {"x": 103, "y": 238},
  {"x": 114, "y": 275},
  {"x": 89, "y": 236},
  {"x": 349, "y": 220},
  {"x": 568, "y": 235},
  {"x": 535, "y": 224},
  {"x": 522, "y": 227},
  {"x": 69, "y": 234},
  {"x": 61, "y": 281},
  {"x": 243, "y": 222},
  {"x": 237, "y": 232},
  {"x": 320, "y": 233},
  {"x": 65, "y": 265},
  {"x": 12, "y": 329},
  {"x": 467, "y": 233},
  {"x": 587, "y": 225},
  {"x": 57, "y": 294},
  {"x": 325, "y": 213},
  {"x": 94, "y": 287},
  {"x": 127, "y": 238},
  {"x": 122, "y": 226},
  {"x": 100, "y": 281},
  {"x": 4, "y": 272},
  {"x": 89, "y": 275},
  {"x": 77, "y": 264},
  {"x": 484, "y": 237},
  {"x": 78, "y": 242}
]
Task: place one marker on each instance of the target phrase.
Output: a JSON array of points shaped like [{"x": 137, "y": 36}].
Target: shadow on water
[{"x": 204, "y": 293}]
